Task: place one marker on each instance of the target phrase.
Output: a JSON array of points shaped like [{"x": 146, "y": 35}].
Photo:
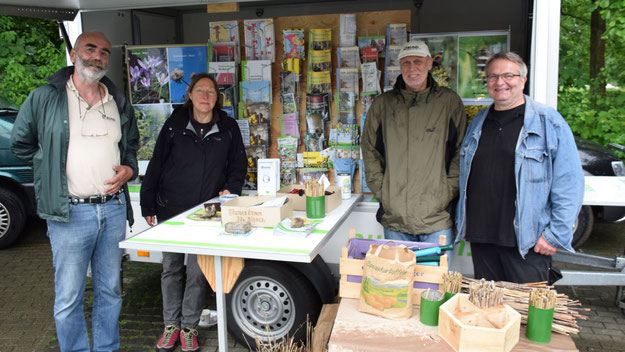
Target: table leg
[{"x": 222, "y": 329}]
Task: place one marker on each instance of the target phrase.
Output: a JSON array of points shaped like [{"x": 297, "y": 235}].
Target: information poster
[
  {"x": 444, "y": 50},
  {"x": 149, "y": 75},
  {"x": 473, "y": 52},
  {"x": 183, "y": 63},
  {"x": 150, "y": 119},
  {"x": 158, "y": 77},
  {"x": 459, "y": 61}
]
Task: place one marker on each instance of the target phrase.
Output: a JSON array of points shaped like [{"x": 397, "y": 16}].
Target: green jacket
[
  {"x": 40, "y": 137},
  {"x": 410, "y": 146}
]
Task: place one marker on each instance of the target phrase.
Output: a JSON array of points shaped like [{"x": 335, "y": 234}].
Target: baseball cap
[{"x": 414, "y": 48}]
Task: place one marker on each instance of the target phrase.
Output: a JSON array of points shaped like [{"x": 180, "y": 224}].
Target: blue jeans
[
  {"x": 425, "y": 237},
  {"x": 92, "y": 235}
]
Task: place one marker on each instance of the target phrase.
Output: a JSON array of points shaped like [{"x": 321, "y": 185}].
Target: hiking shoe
[
  {"x": 167, "y": 342},
  {"x": 188, "y": 340},
  {"x": 208, "y": 318}
]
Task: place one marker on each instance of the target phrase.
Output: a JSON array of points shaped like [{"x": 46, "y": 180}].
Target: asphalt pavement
[{"x": 27, "y": 298}]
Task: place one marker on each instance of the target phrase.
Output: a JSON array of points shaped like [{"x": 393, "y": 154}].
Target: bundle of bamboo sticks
[
  {"x": 452, "y": 282},
  {"x": 566, "y": 311},
  {"x": 484, "y": 294},
  {"x": 543, "y": 298},
  {"x": 312, "y": 188}
]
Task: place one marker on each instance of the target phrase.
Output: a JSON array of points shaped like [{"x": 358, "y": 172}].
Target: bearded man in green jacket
[
  {"x": 80, "y": 136},
  {"x": 410, "y": 146}
]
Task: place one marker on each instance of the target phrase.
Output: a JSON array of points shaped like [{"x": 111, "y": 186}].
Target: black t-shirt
[
  {"x": 491, "y": 190},
  {"x": 201, "y": 129}
]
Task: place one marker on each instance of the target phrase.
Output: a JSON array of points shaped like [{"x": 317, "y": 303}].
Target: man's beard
[{"x": 86, "y": 73}]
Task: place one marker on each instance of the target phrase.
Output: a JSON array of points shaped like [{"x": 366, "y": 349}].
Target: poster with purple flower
[
  {"x": 184, "y": 62},
  {"x": 149, "y": 75}
]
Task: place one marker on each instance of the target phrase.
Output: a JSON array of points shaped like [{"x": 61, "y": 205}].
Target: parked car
[
  {"x": 597, "y": 160},
  {"x": 17, "y": 199}
]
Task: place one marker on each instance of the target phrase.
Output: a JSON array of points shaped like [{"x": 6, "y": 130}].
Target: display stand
[{"x": 368, "y": 23}]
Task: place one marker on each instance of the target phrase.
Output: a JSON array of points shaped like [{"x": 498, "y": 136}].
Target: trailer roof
[
  {"x": 66, "y": 9},
  {"x": 110, "y": 4}
]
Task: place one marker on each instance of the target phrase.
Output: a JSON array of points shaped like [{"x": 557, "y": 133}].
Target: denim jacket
[{"x": 548, "y": 176}]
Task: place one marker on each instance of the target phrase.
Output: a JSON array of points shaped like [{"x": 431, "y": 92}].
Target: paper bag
[{"x": 387, "y": 280}]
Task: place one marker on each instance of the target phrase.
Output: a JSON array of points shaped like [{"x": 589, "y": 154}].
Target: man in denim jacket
[{"x": 521, "y": 180}]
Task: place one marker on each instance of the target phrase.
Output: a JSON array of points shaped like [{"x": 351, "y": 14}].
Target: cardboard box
[
  {"x": 299, "y": 202},
  {"x": 465, "y": 327},
  {"x": 240, "y": 209},
  {"x": 268, "y": 176},
  {"x": 352, "y": 261}
]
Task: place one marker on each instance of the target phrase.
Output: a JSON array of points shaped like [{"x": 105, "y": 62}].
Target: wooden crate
[
  {"x": 351, "y": 269},
  {"x": 458, "y": 316}
]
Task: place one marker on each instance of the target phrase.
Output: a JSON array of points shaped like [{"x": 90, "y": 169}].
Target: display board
[
  {"x": 342, "y": 61},
  {"x": 158, "y": 76},
  {"x": 308, "y": 77}
]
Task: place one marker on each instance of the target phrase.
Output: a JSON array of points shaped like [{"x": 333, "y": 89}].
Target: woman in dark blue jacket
[{"x": 199, "y": 154}]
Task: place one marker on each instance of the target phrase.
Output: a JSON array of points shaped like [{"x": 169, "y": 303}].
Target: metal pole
[
  {"x": 68, "y": 43},
  {"x": 220, "y": 297}
]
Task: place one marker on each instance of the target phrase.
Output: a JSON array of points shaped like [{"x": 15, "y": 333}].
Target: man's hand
[
  {"x": 543, "y": 247},
  {"x": 225, "y": 191},
  {"x": 123, "y": 174},
  {"x": 151, "y": 220}
]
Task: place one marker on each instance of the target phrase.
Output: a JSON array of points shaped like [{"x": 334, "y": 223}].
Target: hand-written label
[
  {"x": 253, "y": 216},
  {"x": 247, "y": 212}
]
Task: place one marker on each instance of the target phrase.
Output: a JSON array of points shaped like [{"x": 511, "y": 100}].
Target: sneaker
[
  {"x": 208, "y": 318},
  {"x": 168, "y": 341},
  {"x": 188, "y": 340}
]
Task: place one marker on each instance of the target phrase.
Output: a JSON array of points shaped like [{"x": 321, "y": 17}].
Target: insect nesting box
[{"x": 465, "y": 327}]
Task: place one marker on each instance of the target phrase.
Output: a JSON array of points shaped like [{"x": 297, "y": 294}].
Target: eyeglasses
[
  {"x": 91, "y": 124},
  {"x": 505, "y": 76},
  {"x": 210, "y": 92}
]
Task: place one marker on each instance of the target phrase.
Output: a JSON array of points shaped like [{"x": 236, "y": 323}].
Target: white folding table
[{"x": 182, "y": 235}]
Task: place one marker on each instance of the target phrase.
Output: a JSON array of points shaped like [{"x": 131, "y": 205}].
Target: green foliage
[
  {"x": 600, "y": 119},
  {"x": 30, "y": 50},
  {"x": 604, "y": 124},
  {"x": 613, "y": 12},
  {"x": 574, "y": 43}
]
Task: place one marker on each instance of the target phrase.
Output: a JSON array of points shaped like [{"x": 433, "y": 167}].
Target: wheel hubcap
[
  {"x": 263, "y": 307},
  {"x": 5, "y": 220}
]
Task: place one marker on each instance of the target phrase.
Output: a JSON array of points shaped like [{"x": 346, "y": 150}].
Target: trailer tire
[
  {"x": 583, "y": 226},
  {"x": 270, "y": 301}
]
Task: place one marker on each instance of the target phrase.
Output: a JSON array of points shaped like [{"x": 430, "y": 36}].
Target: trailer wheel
[
  {"x": 270, "y": 301},
  {"x": 583, "y": 226}
]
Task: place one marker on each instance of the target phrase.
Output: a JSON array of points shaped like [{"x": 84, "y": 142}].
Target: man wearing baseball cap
[{"x": 410, "y": 146}]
